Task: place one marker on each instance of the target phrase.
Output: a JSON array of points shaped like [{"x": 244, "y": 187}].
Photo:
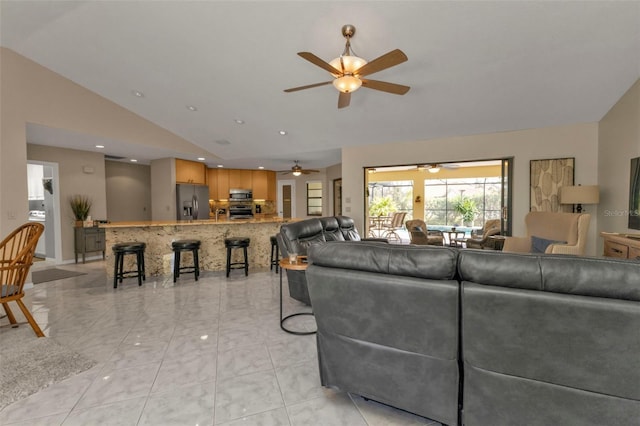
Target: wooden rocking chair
[{"x": 16, "y": 258}]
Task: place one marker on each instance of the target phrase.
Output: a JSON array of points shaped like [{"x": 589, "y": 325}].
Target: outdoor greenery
[
  {"x": 382, "y": 206},
  {"x": 80, "y": 206},
  {"x": 466, "y": 208}
]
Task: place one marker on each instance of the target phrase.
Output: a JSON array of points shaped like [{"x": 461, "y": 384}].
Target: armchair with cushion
[
  {"x": 421, "y": 236},
  {"x": 491, "y": 227},
  {"x": 552, "y": 232}
]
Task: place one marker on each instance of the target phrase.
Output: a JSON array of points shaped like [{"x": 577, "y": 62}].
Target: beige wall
[
  {"x": 163, "y": 189},
  {"x": 74, "y": 180},
  {"x": 30, "y": 93},
  {"x": 619, "y": 142},
  {"x": 578, "y": 140},
  {"x": 128, "y": 191}
]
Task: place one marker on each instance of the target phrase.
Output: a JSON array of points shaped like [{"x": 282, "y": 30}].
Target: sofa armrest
[
  {"x": 564, "y": 249},
  {"x": 517, "y": 244}
]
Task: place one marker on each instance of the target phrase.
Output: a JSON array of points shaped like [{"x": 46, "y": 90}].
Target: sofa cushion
[
  {"x": 539, "y": 245},
  {"x": 437, "y": 263},
  {"x": 331, "y": 229},
  {"x": 298, "y": 236}
]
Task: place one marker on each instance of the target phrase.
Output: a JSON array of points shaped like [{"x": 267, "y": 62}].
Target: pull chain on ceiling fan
[{"x": 348, "y": 70}]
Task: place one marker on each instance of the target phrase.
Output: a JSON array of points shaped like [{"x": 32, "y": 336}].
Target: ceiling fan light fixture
[
  {"x": 297, "y": 173},
  {"x": 434, "y": 169},
  {"x": 347, "y": 83},
  {"x": 349, "y": 63}
]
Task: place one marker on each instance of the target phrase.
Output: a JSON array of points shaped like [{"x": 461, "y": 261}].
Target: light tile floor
[{"x": 196, "y": 353}]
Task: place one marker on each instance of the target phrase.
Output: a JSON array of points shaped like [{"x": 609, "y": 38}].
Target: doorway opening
[
  {"x": 455, "y": 195},
  {"x": 44, "y": 207},
  {"x": 287, "y": 199}
]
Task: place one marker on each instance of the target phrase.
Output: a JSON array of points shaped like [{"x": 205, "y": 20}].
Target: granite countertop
[{"x": 221, "y": 221}]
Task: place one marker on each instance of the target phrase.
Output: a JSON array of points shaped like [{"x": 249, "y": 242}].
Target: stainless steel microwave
[{"x": 240, "y": 195}]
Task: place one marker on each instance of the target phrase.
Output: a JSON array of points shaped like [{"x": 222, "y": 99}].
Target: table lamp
[{"x": 579, "y": 195}]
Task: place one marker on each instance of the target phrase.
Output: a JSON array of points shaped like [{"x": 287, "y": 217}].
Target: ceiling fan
[
  {"x": 435, "y": 168},
  {"x": 348, "y": 70},
  {"x": 296, "y": 170}
]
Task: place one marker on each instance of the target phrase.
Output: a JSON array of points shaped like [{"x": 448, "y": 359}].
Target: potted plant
[
  {"x": 382, "y": 207},
  {"x": 466, "y": 208},
  {"x": 80, "y": 206}
]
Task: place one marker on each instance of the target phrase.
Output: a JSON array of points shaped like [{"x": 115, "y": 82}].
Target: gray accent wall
[{"x": 128, "y": 191}]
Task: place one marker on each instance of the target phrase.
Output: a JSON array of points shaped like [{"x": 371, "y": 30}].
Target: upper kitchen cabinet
[
  {"x": 240, "y": 179},
  {"x": 223, "y": 184},
  {"x": 264, "y": 185},
  {"x": 190, "y": 172},
  {"x": 271, "y": 186},
  {"x": 212, "y": 181}
]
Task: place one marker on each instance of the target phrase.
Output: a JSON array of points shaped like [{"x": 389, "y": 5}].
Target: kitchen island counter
[{"x": 158, "y": 236}]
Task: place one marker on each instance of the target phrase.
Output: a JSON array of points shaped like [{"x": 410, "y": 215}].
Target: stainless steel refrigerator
[{"x": 192, "y": 201}]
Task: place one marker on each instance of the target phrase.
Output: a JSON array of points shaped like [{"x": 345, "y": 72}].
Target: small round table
[{"x": 300, "y": 265}]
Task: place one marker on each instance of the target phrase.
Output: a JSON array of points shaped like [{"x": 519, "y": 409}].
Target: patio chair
[
  {"x": 395, "y": 224},
  {"x": 421, "y": 236},
  {"x": 491, "y": 227},
  {"x": 16, "y": 258}
]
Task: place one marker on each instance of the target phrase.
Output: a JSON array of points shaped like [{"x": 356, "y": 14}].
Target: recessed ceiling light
[
  {"x": 220, "y": 165},
  {"x": 133, "y": 160},
  {"x": 238, "y": 121},
  {"x": 137, "y": 93},
  {"x": 201, "y": 158},
  {"x": 100, "y": 146},
  {"x": 283, "y": 132},
  {"x": 261, "y": 167},
  {"x": 191, "y": 108}
]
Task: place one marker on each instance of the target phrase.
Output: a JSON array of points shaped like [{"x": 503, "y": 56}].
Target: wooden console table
[{"x": 622, "y": 246}]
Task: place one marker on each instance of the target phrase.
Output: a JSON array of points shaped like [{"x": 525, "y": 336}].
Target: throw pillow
[{"x": 539, "y": 245}]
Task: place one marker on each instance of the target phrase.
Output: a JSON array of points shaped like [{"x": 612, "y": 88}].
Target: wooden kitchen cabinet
[
  {"x": 240, "y": 179},
  {"x": 621, "y": 246},
  {"x": 190, "y": 172},
  {"x": 271, "y": 186},
  {"x": 260, "y": 184},
  {"x": 223, "y": 184},
  {"x": 212, "y": 182},
  {"x": 264, "y": 185}
]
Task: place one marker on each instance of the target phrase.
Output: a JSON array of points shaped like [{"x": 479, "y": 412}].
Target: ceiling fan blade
[
  {"x": 344, "y": 99},
  {"x": 396, "y": 89},
  {"x": 383, "y": 62},
  {"x": 309, "y": 86},
  {"x": 319, "y": 62},
  {"x": 309, "y": 171}
]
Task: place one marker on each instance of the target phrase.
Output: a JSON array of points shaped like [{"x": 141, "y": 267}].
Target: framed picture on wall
[
  {"x": 546, "y": 179},
  {"x": 634, "y": 194}
]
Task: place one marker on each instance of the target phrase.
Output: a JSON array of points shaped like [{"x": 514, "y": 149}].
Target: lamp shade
[{"x": 589, "y": 194}]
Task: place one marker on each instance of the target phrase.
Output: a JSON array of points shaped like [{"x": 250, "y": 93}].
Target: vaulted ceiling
[{"x": 474, "y": 67}]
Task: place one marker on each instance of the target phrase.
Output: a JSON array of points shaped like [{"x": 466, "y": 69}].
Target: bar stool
[
  {"x": 185, "y": 245},
  {"x": 234, "y": 243},
  {"x": 122, "y": 249},
  {"x": 274, "y": 253}
]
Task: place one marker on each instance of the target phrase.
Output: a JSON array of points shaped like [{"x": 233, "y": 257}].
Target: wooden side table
[
  {"x": 497, "y": 241},
  {"x": 300, "y": 265}
]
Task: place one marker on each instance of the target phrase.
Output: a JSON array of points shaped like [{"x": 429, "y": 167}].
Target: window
[
  {"x": 314, "y": 199},
  {"x": 441, "y": 195},
  {"x": 398, "y": 195}
]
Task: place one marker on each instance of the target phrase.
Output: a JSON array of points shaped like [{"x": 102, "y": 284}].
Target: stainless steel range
[{"x": 240, "y": 211}]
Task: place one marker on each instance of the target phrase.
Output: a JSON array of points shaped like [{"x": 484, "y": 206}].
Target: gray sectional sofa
[
  {"x": 478, "y": 337},
  {"x": 297, "y": 237}
]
